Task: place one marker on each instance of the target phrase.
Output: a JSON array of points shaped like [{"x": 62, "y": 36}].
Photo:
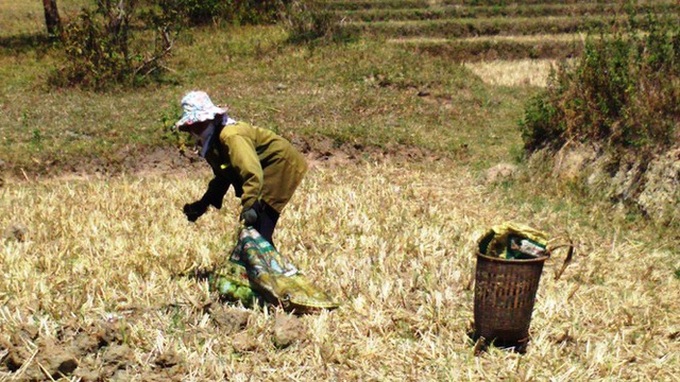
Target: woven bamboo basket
[{"x": 505, "y": 292}]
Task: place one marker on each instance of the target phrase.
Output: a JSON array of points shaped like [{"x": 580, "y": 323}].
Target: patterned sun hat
[{"x": 197, "y": 107}]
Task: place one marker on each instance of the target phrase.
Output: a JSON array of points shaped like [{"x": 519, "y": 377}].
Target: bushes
[
  {"x": 125, "y": 42},
  {"x": 115, "y": 44},
  {"x": 94, "y": 54},
  {"x": 310, "y": 21},
  {"x": 201, "y": 12},
  {"x": 623, "y": 93}
]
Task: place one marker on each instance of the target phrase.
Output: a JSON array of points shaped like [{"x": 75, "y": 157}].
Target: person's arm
[
  {"x": 217, "y": 188},
  {"x": 214, "y": 195}
]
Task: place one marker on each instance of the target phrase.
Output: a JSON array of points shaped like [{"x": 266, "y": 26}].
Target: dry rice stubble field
[
  {"x": 103, "y": 277},
  {"x": 100, "y": 274}
]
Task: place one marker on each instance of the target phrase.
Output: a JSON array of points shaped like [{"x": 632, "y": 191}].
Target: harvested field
[
  {"x": 434, "y": 12},
  {"x": 471, "y": 30},
  {"x": 406, "y": 4},
  {"x": 513, "y": 73},
  {"x": 473, "y": 49},
  {"x": 411, "y": 134},
  {"x": 456, "y": 28},
  {"x": 102, "y": 275}
]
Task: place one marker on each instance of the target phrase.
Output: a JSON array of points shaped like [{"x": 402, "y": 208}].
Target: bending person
[{"x": 264, "y": 168}]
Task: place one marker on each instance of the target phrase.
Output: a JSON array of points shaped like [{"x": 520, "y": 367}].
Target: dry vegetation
[
  {"x": 513, "y": 73},
  {"x": 101, "y": 273},
  {"x": 111, "y": 260}
]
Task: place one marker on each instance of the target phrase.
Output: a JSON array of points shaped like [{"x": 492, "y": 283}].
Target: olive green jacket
[{"x": 258, "y": 163}]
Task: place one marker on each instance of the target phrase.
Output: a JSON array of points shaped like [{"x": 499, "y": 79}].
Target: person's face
[{"x": 195, "y": 130}]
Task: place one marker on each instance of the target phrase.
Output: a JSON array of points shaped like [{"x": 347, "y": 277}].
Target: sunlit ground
[{"x": 394, "y": 242}]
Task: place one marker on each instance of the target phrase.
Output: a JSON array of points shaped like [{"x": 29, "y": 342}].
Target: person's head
[{"x": 198, "y": 117}]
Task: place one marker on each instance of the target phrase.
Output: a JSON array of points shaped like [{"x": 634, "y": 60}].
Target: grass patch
[
  {"x": 494, "y": 48},
  {"x": 401, "y": 4},
  {"x": 28, "y": 18},
  {"x": 513, "y": 73},
  {"x": 364, "y": 93},
  {"x": 101, "y": 266},
  {"x": 435, "y": 12},
  {"x": 451, "y": 28}
]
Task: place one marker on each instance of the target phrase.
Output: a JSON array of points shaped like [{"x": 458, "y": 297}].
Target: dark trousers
[{"x": 267, "y": 217}]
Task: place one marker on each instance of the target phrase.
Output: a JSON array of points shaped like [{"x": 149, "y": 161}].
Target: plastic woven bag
[
  {"x": 232, "y": 284},
  {"x": 275, "y": 278},
  {"x": 513, "y": 241}
]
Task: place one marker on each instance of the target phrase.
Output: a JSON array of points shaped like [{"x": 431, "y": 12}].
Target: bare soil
[
  {"x": 100, "y": 351},
  {"x": 94, "y": 353},
  {"x": 318, "y": 150}
]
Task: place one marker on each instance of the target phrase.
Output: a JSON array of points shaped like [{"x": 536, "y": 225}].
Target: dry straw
[{"x": 394, "y": 242}]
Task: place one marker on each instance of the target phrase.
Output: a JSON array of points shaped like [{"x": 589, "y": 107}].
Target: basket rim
[{"x": 513, "y": 261}]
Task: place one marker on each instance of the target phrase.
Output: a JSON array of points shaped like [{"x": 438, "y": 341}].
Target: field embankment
[{"x": 466, "y": 31}]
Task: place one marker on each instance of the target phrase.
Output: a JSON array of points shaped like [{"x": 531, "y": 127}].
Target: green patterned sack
[
  {"x": 232, "y": 284},
  {"x": 275, "y": 278}
]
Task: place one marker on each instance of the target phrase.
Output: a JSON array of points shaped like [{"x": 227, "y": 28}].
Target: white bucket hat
[{"x": 197, "y": 107}]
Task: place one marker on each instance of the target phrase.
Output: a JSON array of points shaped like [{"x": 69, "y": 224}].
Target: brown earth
[
  {"x": 92, "y": 353},
  {"x": 318, "y": 150},
  {"x": 100, "y": 352}
]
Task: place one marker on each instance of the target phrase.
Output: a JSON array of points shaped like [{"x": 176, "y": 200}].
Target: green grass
[
  {"x": 456, "y": 28},
  {"x": 477, "y": 12},
  {"x": 363, "y": 93},
  {"x": 27, "y": 18},
  {"x": 366, "y": 93},
  {"x": 495, "y": 47}
]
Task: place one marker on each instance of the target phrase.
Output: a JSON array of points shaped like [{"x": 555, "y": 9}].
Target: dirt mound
[
  {"x": 104, "y": 350},
  {"x": 33, "y": 357},
  {"x": 327, "y": 151},
  {"x": 94, "y": 353},
  {"x": 287, "y": 331}
]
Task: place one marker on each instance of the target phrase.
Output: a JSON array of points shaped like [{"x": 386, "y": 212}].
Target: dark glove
[
  {"x": 194, "y": 210},
  {"x": 249, "y": 216}
]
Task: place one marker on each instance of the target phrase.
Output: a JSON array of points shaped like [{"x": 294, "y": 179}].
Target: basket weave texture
[{"x": 505, "y": 292}]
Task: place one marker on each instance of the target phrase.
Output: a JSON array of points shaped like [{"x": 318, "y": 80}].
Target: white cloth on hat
[{"x": 197, "y": 107}]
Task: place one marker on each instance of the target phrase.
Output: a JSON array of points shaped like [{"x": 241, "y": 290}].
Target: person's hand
[
  {"x": 194, "y": 210},
  {"x": 249, "y": 216}
]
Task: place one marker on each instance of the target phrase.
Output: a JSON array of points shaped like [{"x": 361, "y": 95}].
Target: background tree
[{"x": 52, "y": 20}]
